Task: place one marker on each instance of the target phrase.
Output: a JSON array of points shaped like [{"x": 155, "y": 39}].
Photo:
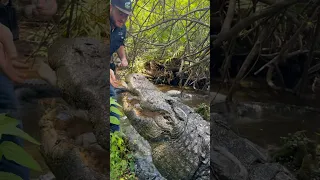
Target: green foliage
[
  {"x": 204, "y": 110},
  {"x": 113, "y": 119},
  {"x": 6, "y": 176},
  {"x": 121, "y": 159},
  {"x": 161, "y": 30},
  {"x": 300, "y": 154},
  {"x": 89, "y": 18},
  {"x": 85, "y": 18},
  {"x": 12, "y": 151}
]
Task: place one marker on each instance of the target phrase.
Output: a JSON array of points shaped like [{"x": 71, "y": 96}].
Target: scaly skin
[
  {"x": 81, "y": 67},
  {"x": 178, "y": 136}
]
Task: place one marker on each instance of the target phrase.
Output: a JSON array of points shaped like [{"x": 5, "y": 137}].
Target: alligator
[
  {"x": 66, "y": 144},
  {"x": 80, "y": 65},
  {"x": 179, "y": 137},
  {"x": 32, "y": 90},
  {"x": 73, "y": 108}
]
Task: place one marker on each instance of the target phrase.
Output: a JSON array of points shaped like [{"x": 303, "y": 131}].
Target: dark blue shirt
[
  {"x": 118, "y": 36},
  {"x": 8, "y": 18}
]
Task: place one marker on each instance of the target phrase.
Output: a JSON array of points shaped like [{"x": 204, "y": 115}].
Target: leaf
[
  {"x": 6, "y": 123},
  {"x": 114, "y": 102},
  {"x": 5, "y": 120},
  {"x": 116, "y": 110},
  {"x": 114, "y": 120},
  {"x": 14, "y": 152},
  {"x": 19, "y": 133},
  {"x": 9, "y": 176}
]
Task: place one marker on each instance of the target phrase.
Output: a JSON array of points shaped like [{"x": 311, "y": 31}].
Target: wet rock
[
  {"x": 226, "y": 165},
  {"x": 177, "y": 93},
  {"x": 217, "y": 98},
  {"x": 270, "y": 171}
]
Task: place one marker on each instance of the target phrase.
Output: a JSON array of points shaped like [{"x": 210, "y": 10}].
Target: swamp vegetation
[{"x": 271, "y": 47}]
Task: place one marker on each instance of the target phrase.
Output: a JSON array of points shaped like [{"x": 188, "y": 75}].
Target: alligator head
[{"x": 178, "y": 136}]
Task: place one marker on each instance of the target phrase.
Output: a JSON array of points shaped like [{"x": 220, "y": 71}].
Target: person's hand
[
  {"x": 45, "y": 8},
  {"x": 9, "y": 63},
  {"x": 113, "y": 80},
  {"x": 124, "y": 62},
  {"x": 10, "y": 67}
]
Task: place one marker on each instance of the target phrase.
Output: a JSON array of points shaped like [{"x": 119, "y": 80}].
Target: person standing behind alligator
[
  {"x": 9, "y": 65},
  {"x": 119, "y": 12}
]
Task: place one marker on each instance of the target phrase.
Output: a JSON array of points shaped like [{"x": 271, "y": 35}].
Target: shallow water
[
  {"x": 269, "y": 129},
  {"x": 197, "y": 97}
]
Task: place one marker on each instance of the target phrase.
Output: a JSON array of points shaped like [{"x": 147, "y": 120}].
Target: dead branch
[
  {"x": 228, "y": 20},
  {"x": 307, "y": 64},
  {"x": 289, "y": 43},
  {"x": 270, "y": 11},
  {"x": 254, "y": 51}
]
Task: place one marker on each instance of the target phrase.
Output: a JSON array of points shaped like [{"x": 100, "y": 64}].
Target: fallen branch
[
  {"x": 287, "y": 46},
  {"x": 270, "y": 11}
]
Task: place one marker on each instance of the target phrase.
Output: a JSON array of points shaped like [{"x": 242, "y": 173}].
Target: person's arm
[
  {"x": 8, "y": 56},
  {"x": 121, "y": 51},
  {"x": 122, "y": 55}
]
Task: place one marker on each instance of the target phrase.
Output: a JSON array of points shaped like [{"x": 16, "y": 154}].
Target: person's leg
[
  {"x": 113, "y": 92},
  {"x": 8, "y": 104}
]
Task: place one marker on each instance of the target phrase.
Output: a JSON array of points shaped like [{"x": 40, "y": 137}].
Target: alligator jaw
[
  {"x": 178, "y": 136},
  {"x": 147, "y": 123}
]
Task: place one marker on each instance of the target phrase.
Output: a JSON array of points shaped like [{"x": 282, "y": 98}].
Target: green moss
[
  {"x": 204, "y": 110},
  {"x": 299, "y": 154}
]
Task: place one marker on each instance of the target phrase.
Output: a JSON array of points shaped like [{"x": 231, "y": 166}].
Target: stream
[
  {"x": 268, "y": 130},
  {"x": 194, "y": 98}
]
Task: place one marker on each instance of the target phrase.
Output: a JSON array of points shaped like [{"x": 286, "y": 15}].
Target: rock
[
  {"x": 173, "y": 93},
  {"x": 252, "y": 112},
  {"x": 226, "y": 165},
  {"x": 144, "y": 167},
  {"x": 176, "y": 93},
  {"x": 217, "y": 98},
  {"x": 48, "y": 176}
]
